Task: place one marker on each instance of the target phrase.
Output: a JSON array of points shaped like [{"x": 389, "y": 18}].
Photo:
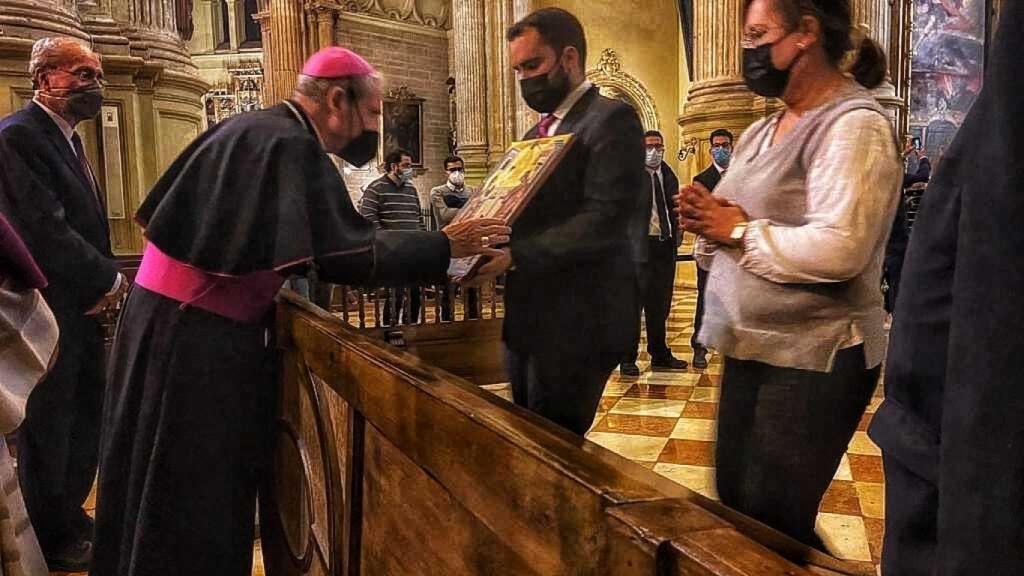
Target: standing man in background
[
  {"x": 721, "y": 154},
  {"x": 54, "y": 201},
  {"x": 391, "y": 202},
  {"x": 569, "y": 300},
  {"x": 445, "y": 202},
  {"x": 658, "y": 236}
]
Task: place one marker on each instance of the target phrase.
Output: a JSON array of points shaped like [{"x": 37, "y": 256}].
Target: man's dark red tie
[
  {"x": 83, "y": 161},
  {"x": 544, "y": 127}
]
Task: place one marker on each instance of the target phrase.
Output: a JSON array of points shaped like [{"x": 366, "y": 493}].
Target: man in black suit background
[
  {"x": 569, "y": 299},
  {"x": 53, "y": 198},
  {"x": 657, "y": 236},
  {"x": 721, "y": 154}
]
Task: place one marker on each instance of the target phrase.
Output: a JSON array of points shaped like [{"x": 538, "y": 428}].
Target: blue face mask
[
  {"x": 405, "y": 175},
  {"x": 722, "y": 156}
]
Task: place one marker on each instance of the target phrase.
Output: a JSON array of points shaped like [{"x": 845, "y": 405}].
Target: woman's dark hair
[{"x": 870, "y": 65}]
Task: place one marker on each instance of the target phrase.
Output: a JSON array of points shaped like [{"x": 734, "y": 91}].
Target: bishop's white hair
[{"x": 315, "y": 89}]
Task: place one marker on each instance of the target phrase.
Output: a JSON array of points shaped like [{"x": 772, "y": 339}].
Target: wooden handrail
[{"x": 415, "y": 471}]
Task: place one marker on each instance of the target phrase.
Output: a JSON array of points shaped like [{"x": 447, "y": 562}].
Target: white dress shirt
[
  {"x": 655, "y": 227},
  {"x": 66, "y": 129}
]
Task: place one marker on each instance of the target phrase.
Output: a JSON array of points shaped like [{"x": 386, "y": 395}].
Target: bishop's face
[{"x": 352, "y": 125}]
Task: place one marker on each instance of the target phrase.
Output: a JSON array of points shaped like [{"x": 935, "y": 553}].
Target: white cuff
[{"x": 117, "y": 284}]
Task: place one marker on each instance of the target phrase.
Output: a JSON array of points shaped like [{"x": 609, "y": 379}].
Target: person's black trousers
[
  {"x": 565, "y": 391},
  {"x": 782, "y": 433},
  {"x": 698, "y": 315},
  {"x": 656, "y": 280},
  {"x": 911, "y": 521},
  {"x": 58, "y": 442}
]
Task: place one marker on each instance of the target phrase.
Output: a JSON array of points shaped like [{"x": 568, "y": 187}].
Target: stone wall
[{"x": 415, "y": 57}]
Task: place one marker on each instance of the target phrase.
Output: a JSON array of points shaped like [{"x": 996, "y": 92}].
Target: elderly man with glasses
[{"x": 53, "y": 198}]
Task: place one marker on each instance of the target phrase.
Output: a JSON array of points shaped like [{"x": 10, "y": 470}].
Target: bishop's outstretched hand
[{"x": 477, "y": 237}]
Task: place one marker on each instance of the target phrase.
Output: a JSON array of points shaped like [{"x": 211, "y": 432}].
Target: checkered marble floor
[{"x": 666, "y": 421}]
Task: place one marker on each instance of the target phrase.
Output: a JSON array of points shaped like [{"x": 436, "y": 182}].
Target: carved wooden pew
[{"x": 385, "y": 464}]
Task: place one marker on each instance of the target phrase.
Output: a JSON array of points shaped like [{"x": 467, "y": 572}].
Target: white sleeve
[{"x": 852, "y": 189}]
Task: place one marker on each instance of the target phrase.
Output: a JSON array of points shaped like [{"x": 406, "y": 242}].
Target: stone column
[
  {"x": 900, "y": 58},
  {"x": 875, "y": 17},
  {"x": 525, "y": 116},
  {"x": 717, "y": 98},
  {"x": 470, "y": 72},
  {"x": 325, "y": 19},
  {"x": 236, "y": 27},
  {"x": 286, "y": 48},
  {"x": 204, "y": 40},
  {"x": 267, "y": 34},
  {"x": 508, "y": 116}
]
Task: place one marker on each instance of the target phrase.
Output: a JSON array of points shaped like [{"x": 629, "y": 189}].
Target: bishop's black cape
[
  {"x": 952, "y": 426},
  {"x": 189, "y": 408}
]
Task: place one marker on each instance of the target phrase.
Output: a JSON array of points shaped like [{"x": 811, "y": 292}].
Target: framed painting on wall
[{"x": 402, "y": 127}]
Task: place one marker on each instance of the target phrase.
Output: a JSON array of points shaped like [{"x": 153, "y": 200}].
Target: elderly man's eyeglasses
[{"x": 84, "y": 74}]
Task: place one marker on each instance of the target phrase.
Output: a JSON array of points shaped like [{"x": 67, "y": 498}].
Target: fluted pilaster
[
  {"x": 324, "y": 20},
  {"x": 525, "y": 116},
  {"x": 286, "y": 48},
  {"x": 875, "y": 17},
  {"x": 470, "y": 72}
]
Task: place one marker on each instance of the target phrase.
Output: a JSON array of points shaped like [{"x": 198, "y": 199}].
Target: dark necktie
[
  {"x": 83, "y": 162},
  {"x": 544, "y": 127},
  {"x": 659, "y": 200}
]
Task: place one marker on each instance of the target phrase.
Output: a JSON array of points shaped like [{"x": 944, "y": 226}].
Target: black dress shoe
[
  {"x": 670, "y": 363},
  {"x": 629, "y": 369},
  {"x": 700, "y": 358},
  {"x": 75, "y": 557}
]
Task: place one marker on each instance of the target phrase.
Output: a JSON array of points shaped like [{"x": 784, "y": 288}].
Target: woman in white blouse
[{"x": 794, "y": 240}]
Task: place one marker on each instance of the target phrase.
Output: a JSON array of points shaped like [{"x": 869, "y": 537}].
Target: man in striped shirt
[{"x": 392, "y": 203}]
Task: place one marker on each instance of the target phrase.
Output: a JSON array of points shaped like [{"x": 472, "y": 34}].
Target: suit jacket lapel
[
  {"x": 63, "y": 148},
  {"x": 568, "y": 124}
]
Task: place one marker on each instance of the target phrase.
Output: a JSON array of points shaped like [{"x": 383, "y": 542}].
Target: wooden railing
[{"x": 386, "y": 464}]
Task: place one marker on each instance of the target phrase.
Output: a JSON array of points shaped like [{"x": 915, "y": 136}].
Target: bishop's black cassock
[
  {"x": 951, "y": 428},
  {"x": 188, "y": 413}
]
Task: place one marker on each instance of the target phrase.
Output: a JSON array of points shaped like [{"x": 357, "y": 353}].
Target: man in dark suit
[
  {"x": 952, "y": 423},
  {"x": 569, "y": 299},
  {"x": 54, "y": 200},
  {"x": 721, "y": 154},
  {"x": 656, "y": 237}
]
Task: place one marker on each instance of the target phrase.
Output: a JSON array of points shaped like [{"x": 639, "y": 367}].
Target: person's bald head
[{"x": 67, "y": 77}]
